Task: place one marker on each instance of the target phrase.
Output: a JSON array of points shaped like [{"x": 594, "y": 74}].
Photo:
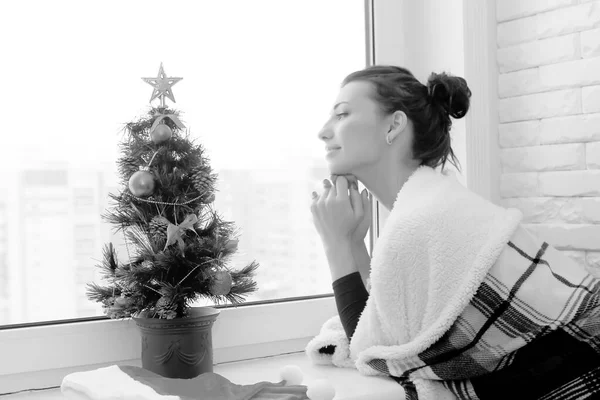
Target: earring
[{"x": 388, "y": 139}]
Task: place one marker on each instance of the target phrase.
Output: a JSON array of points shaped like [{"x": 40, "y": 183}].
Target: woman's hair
[{"x": 429, "y": 107}]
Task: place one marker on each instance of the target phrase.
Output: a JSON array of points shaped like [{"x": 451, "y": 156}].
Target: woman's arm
[
  {"x": 337, "y": 214},
  {"x": 340, "y": 259},
  {"x": 348, "y": 286},
  {"x": 362, "y": 261},
  {"x": 350, "y": 299}
]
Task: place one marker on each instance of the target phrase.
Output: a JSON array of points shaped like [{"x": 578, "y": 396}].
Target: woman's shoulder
[{"x": 431, "y": 198}]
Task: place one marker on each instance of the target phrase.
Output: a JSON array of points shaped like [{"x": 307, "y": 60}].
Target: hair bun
[{"x": 449, "y": 92}]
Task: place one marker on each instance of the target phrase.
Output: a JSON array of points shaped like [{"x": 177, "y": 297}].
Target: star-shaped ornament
[{"x": 162, "y": 86}]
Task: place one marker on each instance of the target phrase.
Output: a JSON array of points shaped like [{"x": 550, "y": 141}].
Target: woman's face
[{"x": 354, "y": 135}]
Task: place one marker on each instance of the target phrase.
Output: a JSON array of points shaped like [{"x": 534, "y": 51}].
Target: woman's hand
[
  {"x": 339, "y": 212},
  {"x": 359, "y": 234}
]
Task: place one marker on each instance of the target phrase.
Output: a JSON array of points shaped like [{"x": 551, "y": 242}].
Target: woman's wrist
[
  {"x": 359, "y": 244},
  {"x": 340, "y": 258},
  {"x": 362, "y": 260},
  {"x": 338, "y": 244}
]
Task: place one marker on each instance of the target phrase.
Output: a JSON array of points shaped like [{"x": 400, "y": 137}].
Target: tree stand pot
[{"x": 180, "y": 347}]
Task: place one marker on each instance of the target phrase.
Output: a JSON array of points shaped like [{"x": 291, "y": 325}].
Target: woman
[{"x": 463, "y": 301}]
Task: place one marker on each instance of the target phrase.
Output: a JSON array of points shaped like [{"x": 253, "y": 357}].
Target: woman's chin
[{"x": 338, "y": 169}]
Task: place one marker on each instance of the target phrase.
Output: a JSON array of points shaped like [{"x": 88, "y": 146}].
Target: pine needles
[{"x": 159, "y": 280}]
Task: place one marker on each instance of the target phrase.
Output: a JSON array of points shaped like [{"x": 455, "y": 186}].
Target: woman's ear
[{"x": 398, "y": 124}]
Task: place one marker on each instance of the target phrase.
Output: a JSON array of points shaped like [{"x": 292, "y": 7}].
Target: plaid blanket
[
  {"x": 465, "y": 303},
  {"x": 532, "y": 331}
]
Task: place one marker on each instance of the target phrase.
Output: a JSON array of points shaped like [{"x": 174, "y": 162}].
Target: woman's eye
[{"x": 340, "y": 115}]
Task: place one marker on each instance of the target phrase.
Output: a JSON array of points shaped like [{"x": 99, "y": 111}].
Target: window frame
[{"x": 36, "y": 357}]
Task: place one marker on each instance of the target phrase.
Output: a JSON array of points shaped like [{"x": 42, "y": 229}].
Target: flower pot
[{"x": 179, "y": 347}]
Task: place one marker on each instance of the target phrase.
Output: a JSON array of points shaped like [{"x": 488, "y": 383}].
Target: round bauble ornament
[
  {"x": 161, "y": 133},
  {"x": 147, "y": 265},
  {"x": 221, "y": 283},
  {"x": 141, "y": 183},
  {"x": 122, "y": 301},
  {"x": 209, "y": 199},
  {"x": 232, "y": 245}
]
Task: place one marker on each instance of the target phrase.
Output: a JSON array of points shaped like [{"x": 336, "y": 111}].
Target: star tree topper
[{"x": 162, "y": 86}]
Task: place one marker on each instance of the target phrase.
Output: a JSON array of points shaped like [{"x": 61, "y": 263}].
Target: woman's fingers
[
  {"x": 315, "y": 198},
  {"x": 367, "y": 206},
  {"x": 314, "y": 205},
  {"x": 357, "y": 203},
  {"x": 328, "y": 189},
  {"x": 341, "y": 186},
  {"x": 352, "y": 181},
  {"x": 314, "y": 210},
  {"x": 339, "y": 208}
]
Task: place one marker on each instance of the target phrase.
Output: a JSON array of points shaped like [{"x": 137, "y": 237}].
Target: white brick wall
[
  {"x": 540, "y": 52},
  {"x": 574, "y": 129},
  {"x": 557, "y": 210},
  {"x": 592, "y": 155},
  {"x": 544, "y": 158},
  {"x": 540, "y": 105},
  {"x": 549, "y": 78},
  {"x": 590, "y": 46},
  {"x": 549, "y": 113},
  {"x": 590, "y": 99},
  {"x": 561, "y": 21},
  {"x": 512, "y": 9}
]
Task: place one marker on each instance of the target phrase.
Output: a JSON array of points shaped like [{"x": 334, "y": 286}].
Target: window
[
  {"x": 40, "y": 356},
  {"x": 4, "y": 277},
  {"x": 257, "y": 85}
]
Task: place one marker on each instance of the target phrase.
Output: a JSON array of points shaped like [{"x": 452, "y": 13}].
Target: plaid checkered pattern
[{"x": 532, "y": 331}]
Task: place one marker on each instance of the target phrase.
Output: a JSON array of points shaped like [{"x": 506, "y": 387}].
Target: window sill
[
  {"x": 348, "y": 383},
  {"x": 40, "y": 357}
]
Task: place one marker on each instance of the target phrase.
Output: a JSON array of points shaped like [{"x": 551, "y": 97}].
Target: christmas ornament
[
  {"x": 108, "y": 302},
  {"x": 129, "y": 289},
  {"x": 116, "y": 307},
  {"x": 320, "y": 389},
  {"x": 122, "y": 301},
  {"x": 221, "y": 283},
  {"x": 146, "y": 265},
  {"x": 232, "y": 245},
  {"x": 210, "y": 198},
  {"x": 292, "y": 375},
  {"x": 141, "y": 183},
  {"x": 162, "y": 86},
  {"x": 160, "y": 117},
  {"x": 203, "y": 180},
  {"x": 158, "y": 227},
  {"x": 161, "y": 133},
  {"x": 165, "y": 308},
  {"x": 175, "y": 232}
]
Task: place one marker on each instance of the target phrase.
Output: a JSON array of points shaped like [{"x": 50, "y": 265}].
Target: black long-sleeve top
[{"x": 351, "y": 298}]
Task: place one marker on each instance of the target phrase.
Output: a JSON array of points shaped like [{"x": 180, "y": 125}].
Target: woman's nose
[{"x": 325, "y": 132}]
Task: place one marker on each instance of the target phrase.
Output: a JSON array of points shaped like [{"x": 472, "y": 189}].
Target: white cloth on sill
[
  {"x": 108, "y": 383},
  {"x": 135, "y": 383}
]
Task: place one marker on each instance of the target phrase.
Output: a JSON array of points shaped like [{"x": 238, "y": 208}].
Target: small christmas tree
[{"x": 178, "y": 246}]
